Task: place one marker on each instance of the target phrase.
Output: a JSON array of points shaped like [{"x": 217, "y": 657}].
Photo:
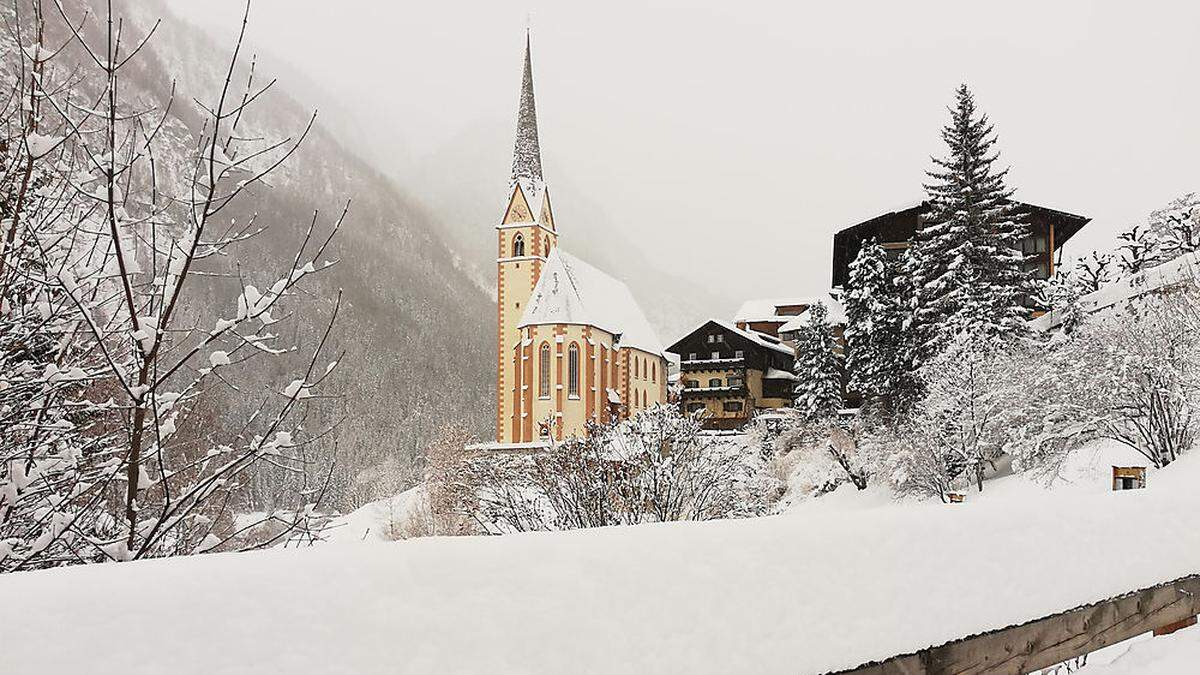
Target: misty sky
[{"x": 735, "y": 138}]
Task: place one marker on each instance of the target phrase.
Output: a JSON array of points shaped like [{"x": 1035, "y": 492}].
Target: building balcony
[
  {"x": 712, "y": 364},
  {"x": 709, "y": 392}
]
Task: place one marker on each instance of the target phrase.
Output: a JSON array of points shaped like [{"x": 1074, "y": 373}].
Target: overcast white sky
[{"x": 743, "y": 134}]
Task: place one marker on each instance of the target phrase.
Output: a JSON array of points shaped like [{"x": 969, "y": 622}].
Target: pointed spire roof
[{"x": 527, "y": 155}]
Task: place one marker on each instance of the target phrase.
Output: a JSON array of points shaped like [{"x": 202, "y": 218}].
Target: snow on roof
[
  {"x": 571, "y": 291},
  {"x": 894, "y": 579},
  {"x": 777, "y": 374},
  {"x": 1183, "y": 269},
  {"x": 837, "y": 314},
  {"x": 757, "y": 337},
  {"x": 763, "y": 309}
]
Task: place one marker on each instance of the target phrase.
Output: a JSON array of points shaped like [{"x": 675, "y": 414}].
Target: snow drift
[{"x": 806, "y": 592}]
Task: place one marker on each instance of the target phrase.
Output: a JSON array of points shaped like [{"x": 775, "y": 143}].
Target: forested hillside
[{"x": 415, "y": 328}]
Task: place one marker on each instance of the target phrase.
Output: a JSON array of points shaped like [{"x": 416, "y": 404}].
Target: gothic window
[
  {"x": 654, "y": 371},
  {"x": 635, "y": 367},
  {"x": 546, "y": 246},
  {"x": 544, "y": 371},
  {"x": 573, "y": 371},
  {"x": 518, "y": 248}
]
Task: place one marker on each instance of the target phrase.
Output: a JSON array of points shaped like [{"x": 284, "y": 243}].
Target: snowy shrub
[
  {"x": 823, "y": 455},
  {"x": 1140, "y": 380},
  {"x": 915, "y": 460},
  {"x": 658, "y": 466}
]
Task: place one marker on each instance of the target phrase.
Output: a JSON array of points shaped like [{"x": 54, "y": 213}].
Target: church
[{"x": 573, "y": 347}]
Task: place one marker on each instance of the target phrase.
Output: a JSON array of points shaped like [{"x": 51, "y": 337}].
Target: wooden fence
[{"x": 1048, "y": 641}]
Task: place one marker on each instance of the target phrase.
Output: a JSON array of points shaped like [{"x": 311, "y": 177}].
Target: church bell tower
[{"x": 525, "y": 236}]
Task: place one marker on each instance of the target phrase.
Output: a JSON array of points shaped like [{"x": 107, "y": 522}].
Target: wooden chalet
[
  {"x": 730, "y": 372},
  {"x": 1049, "y": 230}
]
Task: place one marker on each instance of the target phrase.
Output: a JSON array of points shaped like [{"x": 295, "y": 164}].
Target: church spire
[{"x": 527, "y": 156}]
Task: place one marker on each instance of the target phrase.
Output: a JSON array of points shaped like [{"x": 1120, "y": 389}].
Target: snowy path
[{"x": 801, "y": 593}]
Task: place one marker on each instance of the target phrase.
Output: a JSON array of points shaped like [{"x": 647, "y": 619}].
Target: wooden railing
[{"x": 1051, "y": 640}]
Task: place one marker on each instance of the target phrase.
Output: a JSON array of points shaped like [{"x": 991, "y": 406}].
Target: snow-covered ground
[
  {"x": 835, "y": 582},
  {"x": 1177, "y": 654}
]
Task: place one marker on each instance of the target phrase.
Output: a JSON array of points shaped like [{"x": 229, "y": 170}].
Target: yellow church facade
[{"x": 572, "y": 345}]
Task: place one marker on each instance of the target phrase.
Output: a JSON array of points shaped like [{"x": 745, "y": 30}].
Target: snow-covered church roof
[{"x": 570, "y": 291}]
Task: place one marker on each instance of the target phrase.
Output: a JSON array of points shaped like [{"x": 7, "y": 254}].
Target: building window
[
  {"x": 734, "y": 381},
  {"x": 573, "y": 371},
  {"x": 635, "y": 367},
  {"x": 544, "y": 371},
  {"x": 654, "y": 371},
  {"x": 692, "y": 384},
  {"x": 720, "y": 337},
  {"x": 518, "y": 248},
  {"x": 691, "y": 356},
  {"x": 714, "y": 382},
  {"x": 546, "y": 242},
  {"x": 716, "y": 355},
  {"x": 712, "y": 339},
  {"x": 733, "y": 406},
  {"x": 739, "y": 354},
  {"x": 695, "y": 407}
]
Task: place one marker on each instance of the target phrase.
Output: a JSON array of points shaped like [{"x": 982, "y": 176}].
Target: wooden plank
[{"x": 1051, "y": 640}]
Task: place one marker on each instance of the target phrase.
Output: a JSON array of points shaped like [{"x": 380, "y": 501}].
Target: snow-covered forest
[{"x": 227, "y": 341}]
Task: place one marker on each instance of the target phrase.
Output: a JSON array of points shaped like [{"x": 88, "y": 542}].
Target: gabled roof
[
  {"x": 570, "y": 291},
  {"x": 754, "y": 337},
  {"x": 763, "y": 309},
  {"x": 902, "y": 223}
]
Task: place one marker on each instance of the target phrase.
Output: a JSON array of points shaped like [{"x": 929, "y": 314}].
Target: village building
[
  {"x": 768, "y": 315},
  {"x": 1049, "y": 230},
  {"x": 572, "y": 345},
  {"x": 729, "y": 373},
  {"x": 832, "y": 301}
]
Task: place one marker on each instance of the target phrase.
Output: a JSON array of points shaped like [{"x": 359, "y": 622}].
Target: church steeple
[{"x": 527, "y": 155}]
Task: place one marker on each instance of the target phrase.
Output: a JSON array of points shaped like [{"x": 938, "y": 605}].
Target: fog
[{"x": 730, "y": 140}]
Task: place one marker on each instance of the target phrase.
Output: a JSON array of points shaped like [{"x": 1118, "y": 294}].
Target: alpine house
[{"x": 573, "y": 347}]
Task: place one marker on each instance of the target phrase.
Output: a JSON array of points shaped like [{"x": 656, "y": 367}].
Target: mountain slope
[{"x": 415, "y": 327}]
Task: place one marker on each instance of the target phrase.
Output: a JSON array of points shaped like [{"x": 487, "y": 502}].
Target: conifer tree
[
  {"x": 818, "y": 366},
  {"x": 965, "y": 265},
  {"x": 875, "y": 354}
]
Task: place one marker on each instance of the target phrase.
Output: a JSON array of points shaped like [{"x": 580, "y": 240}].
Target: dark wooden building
[
  {"x": 729, "y": 373},
  {"x": 1049, "y": 230}
]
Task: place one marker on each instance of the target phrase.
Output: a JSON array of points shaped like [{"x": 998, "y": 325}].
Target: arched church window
[
  {"x": 544, "y": 371},
  {"x": 654, "y": 371},
  {"x": 573, "y": 371},
  {"x": 546, "y": 245},
  {"x": 518, "y": 248},
  {"x": 635, "y": 367}
]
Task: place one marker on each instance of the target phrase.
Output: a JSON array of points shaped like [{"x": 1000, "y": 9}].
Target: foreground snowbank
[
  {"x": 1175, "y": 654},
  {"x": 806, "y": 592}
]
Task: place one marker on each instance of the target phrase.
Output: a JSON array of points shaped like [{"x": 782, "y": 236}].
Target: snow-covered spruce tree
[
  {"x": 875, "y": 313},
  {"x": 819, "y": 366},
  {"x": 138, "y": 475},
  {"x": 965, "y": 263}
]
